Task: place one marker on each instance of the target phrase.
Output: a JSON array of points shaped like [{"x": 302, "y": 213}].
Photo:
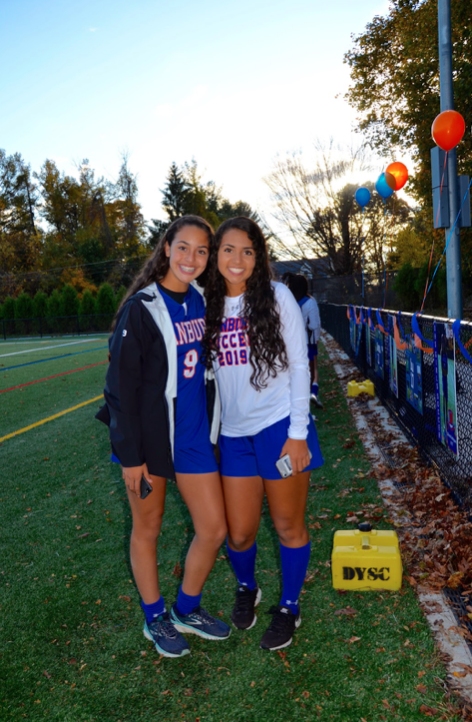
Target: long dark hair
[
  {"x": 157, "y": 265},
  {"x": 298, "y": 285},
  {"x": 268, "y": 352}
]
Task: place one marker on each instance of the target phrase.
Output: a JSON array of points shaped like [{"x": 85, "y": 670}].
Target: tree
[
  {"x": 9, "y": 308},
  {"x": 106, "y": 303},
  {"x": 54, "y": 307},
  {"x": 394, "y": 69},
  {"x": 40, "y": 302},
  {"x": 87, "y": 306},
  {"x": 185, "y": 193},
  {"x": 175, "y": 193},
  {"x": 24, "y": 306},
  {"x": 70, "y": 301},
  {"x": 404, "y": 286},
  {"x": 20, "y": 240},
  {"x": 322, "y": 217},
  {"x": 125, "y": 212},
  {"x": 120, "y": 294}
]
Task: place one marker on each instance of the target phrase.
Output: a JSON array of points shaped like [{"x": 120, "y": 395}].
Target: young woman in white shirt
[{"x": 255, "y": 340}]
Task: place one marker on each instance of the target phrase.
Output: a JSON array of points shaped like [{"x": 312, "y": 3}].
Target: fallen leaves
[
  {"x": 349, "y": 611},
  {"x": 428, "y": 711},
  {"x": 177, "y": 570}
]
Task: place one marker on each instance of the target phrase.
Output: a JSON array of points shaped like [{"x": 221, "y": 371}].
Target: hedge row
[{"x": 62, "y": 303}]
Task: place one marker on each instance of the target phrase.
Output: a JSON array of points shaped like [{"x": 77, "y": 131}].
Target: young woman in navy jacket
[{"x": 162, "y": 409}]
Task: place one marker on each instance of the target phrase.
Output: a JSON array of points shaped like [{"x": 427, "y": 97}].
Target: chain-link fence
[
  {"x": 423, "y": 377},
  {"x": 55, "y": 326}
]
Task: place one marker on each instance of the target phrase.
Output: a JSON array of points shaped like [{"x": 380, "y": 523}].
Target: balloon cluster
[
  {"x": 447, "y": 130},
  {"x": 392, "y": 179}
]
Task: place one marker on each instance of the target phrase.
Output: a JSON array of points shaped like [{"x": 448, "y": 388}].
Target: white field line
[
  {"x": 47, "y": 348},
  {"x": 434, "y": 604}
]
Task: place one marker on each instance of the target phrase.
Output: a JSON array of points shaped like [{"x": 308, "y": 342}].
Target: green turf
[{"x": 72, "y": 649}]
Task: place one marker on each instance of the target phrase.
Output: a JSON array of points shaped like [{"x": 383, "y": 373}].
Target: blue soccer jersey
[{"x": 188, "y": 319}]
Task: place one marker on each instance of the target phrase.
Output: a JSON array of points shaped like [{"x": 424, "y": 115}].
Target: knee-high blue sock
[
  {"x": 187, "y": 603},
  {"x": 152, "y": 611},
  {"x": 244, "y": 564},
  {"x": 294, "y": 566}
]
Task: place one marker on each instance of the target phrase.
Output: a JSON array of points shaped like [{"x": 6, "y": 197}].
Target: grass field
[{"x": 72, "y": 648}]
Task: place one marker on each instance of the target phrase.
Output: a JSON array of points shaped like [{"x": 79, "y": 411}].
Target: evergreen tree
[
  {"x": 70, "y": 301},
  {"x": 119, "y": 295},
  {"x": 54, "y": 307},
  {"x": 24, "y": 306},
  {"x": 40, "y": 302},
  {"x": 88, "y": 306},
  {"x": 175, "y": 193},
  {"x": 106, "y": 303},
  {"x": 9, "y": 308}
]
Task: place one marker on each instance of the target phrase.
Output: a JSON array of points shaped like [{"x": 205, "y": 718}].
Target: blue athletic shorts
[
  {"x": 256, "y": 455},
  {"x": 199, "y": 460},
  {"x": 312, "y": 351},
  {"x": 191, "y": 461}
]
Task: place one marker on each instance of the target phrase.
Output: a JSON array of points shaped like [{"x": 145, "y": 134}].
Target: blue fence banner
[
  {"x": 456, "y": 328},
  {"x": 416, "y": 329}
]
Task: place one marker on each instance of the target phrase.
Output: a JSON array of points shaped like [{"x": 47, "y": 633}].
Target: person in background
[{"x": 298, "y": 285}]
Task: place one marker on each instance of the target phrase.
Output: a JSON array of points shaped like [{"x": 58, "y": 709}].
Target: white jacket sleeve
[
  {"x": 293, "y": 333},
  {"x": 314, "y": 322}
]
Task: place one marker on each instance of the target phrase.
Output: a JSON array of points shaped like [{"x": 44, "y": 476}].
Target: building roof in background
[{"x": 309, "y": 267}]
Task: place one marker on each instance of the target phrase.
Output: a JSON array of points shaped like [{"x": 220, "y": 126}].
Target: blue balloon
[
  {"x": 382, "y": 187},
  {"x": 362, "y": 196}
]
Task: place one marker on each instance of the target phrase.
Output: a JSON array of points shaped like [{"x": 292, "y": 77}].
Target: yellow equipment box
[
  {"x": 364, "y": 387},
  {"x": 366, "y": 559}
]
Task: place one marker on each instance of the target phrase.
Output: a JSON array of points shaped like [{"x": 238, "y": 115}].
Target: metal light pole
[{"x": 453, "y": 253}]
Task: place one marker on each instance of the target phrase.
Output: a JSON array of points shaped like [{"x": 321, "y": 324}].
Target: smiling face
[
  {"x": 188, "y": 257},
  {"x": 236, "y": 260}
]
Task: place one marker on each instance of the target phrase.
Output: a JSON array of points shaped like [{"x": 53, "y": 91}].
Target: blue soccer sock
[
  {"x": 314, "y": 389},
  {"x": 294, "y": 566},
  {"x": 186, "y": 604},
  {"x": 152, "y": 611},
  {"x": 244, "y": 565}
]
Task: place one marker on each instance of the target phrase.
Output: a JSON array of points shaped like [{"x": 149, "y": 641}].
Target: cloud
[{"x": 92, "y": 30}]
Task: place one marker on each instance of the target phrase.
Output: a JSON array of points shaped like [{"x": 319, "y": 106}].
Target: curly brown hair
[
  {"x": 268, "y": 353},
  {"x": 157, "y": 265}
]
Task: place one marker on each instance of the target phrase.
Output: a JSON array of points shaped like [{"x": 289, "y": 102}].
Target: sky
[{"x": 230, "y": 84}]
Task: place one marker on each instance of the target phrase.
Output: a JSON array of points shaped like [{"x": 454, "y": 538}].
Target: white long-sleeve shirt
[
  {"x": 311, "y": 318},
  {"x": 246, "y": 411}
]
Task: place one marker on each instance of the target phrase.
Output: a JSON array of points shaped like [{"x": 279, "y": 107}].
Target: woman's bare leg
[
  {"x": 203, "y": 495},
  {"x": 147, "y": 521}
]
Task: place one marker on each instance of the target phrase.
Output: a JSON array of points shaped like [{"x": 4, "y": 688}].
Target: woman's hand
[
  {"x": 297, "y": 449},
  {"x": 132, "y": 476}
]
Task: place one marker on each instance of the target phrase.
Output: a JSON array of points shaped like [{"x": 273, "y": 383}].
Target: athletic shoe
[
  {"x": 315, "y": 400},
  {"x": 243, "y": 615},
  {"x": 280, "y": 631},
  {"x": 201, "y": 623},
  {"x": 166, "y": 638}
]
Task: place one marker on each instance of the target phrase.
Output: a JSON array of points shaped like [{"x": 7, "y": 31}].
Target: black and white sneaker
[
  {"x": 243, "y": 615},
  {"x": 316, "y": 401},
  {"x": 280, "y": 631}
]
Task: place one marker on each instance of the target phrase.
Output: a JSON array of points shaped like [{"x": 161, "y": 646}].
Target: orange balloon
[
  {"x": 399, "y": 172},
  {"x": 447, "y": 129},
  {"x": 390, "y": 178}
]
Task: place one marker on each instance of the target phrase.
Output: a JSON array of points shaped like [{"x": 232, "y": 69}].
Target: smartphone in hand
[
  {"x": 146, "y": 487},
  {"x": 284, "y": 465}
]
